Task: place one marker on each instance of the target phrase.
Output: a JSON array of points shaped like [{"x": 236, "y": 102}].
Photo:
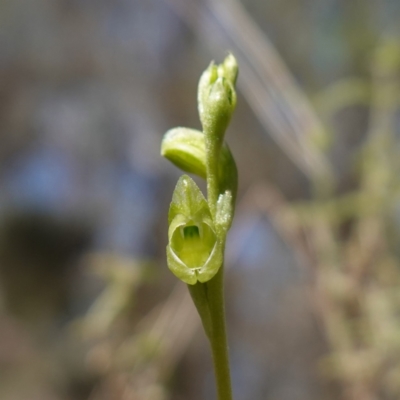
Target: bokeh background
[{"x": 88, "y": 308}]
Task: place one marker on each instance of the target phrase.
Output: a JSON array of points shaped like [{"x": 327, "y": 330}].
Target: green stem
[
  {"x": 218, "y": 338},
  {"x": 212, "y": 292},
  {"x": 213, "y": 147},
  {"x": 209, "y": 300}
]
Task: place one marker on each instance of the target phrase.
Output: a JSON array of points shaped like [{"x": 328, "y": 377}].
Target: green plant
[{"x": 198, "y": 227}]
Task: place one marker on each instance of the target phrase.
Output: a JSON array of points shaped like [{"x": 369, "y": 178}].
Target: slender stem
[
  {"x": 213, "y": 147},
  {"x": 209, "y": 300},
  {"x": 214, "y": 289},
  {"x": 212, "y": 183},
  {"x": 218, "y": 337}
]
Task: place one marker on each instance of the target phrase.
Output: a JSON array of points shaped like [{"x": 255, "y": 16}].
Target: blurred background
[{"x": 88, "y": 308}]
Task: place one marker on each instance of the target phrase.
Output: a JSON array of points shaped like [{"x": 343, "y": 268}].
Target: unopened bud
[{"x": 217, "y": 96}]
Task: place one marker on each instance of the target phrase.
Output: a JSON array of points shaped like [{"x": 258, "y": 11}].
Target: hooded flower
[
  {"x": 186, "y": 148},
  {"x": 194, "y": 251}
]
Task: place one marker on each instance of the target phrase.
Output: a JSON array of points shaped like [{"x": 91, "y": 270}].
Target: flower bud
[
  {"x": 217, "y": 96},
  {"x": 194, "y": 251},
  {"x": 186, "y": 149},
  {"x": 218, "y": 106}
]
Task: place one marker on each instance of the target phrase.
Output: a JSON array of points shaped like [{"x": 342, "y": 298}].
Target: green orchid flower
[{"x": 195, "y": 248}]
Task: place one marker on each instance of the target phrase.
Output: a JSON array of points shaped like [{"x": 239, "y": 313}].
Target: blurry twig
[
  {"x": 170, "y": 326},
  {"x": 122, "y": 276}
]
